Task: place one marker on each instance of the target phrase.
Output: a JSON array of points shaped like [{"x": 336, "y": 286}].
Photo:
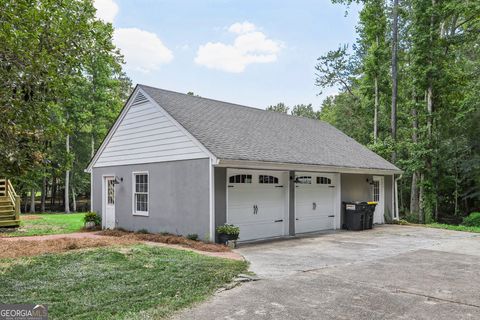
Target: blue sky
[{"x": 254, "y": 53}]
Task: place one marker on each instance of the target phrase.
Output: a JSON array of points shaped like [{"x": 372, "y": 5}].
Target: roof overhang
[{"x": 265, "y": 165}]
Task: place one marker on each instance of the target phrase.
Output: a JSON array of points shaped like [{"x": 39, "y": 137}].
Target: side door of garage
[
  {"x": 314, "y": 202},
  {"x": 256, "y": 202}
]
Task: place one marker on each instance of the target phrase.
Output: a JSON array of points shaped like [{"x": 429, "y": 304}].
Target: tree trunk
[
  {"x": 53, "y": 193},
  {"x": 32, "y": 201},
  {"x": 394, "y": 78},
  {"x": 67, "y": 179},
  {"x": 421, "y": 211},
  {"x": 375, "y": 115},
  {"x": 414, "y": 206},
  {"x": 44, "y": 193},
  {"x": 74, "y": 200},
  {"x": 414, "y": 197}
]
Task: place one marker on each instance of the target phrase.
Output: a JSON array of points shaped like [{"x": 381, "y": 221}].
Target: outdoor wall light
[{"x": 118, "y": 180}]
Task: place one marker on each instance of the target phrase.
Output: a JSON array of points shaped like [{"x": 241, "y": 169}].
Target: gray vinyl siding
[
  {"x": 146, "y": 134},
  {"x": 178, "y": 197}
]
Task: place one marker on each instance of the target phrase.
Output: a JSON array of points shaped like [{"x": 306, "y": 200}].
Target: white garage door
[
  {"x": 257, "y": 203},
  {"x": 314, "y": 202}
]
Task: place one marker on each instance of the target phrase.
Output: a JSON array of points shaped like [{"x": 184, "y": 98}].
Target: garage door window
[
  {"x": 241, "y": 178},
  {"x": 267, "y": 179},
  {"x": 304, "y": 180},
  {"x": 324, "y": 180}
]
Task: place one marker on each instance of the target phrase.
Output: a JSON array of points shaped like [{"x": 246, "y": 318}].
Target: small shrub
[
  {"x": 143, "y": 231},
  {"x": 410, "y": 217},
  {"x": 92, "y": 217},
  {"x": 472, "y": 220},
  {"x": 193, "y": 236},
  {"x": 229, "y": 229}
]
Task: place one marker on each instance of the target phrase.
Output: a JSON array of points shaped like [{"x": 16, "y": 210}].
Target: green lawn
[
  {"x": 46, "y": 223},
  {"x": 136, "y": 282},
  {"x": 453, "y": 227}
]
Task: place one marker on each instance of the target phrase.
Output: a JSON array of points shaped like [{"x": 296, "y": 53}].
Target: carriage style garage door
[
  {"x": 314, "y": 202},
  {"x": 257, "y": 203}
]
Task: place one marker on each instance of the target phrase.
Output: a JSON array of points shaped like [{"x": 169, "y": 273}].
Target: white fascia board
[
  {"x": 113, "y": 129},
  {"x": 181, "y": 128},
  {"x": 244, "y": 164}
]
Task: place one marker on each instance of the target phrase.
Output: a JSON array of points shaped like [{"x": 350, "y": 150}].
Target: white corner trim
[
  {"x": 113, "y": 129},
  {"x": 181, "y": 128},
  {"x": 212, "y": 199},
  {"x": 140, "y": 213},
  {"x": 338, "y": 202}
]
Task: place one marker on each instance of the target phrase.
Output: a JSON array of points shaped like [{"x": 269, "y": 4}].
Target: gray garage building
[{"x": 183, "y": 164}]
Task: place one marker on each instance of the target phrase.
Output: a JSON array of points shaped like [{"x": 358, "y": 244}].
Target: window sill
[{"x": 142, "y": 214}]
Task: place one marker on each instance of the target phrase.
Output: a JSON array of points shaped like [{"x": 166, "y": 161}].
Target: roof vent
[{"x": 139, "y": 98}]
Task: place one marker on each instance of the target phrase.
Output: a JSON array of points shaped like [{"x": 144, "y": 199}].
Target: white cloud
[
  {"x": 242, "y": 27},
  {"x": 143, "y": 50},
  {"x": 106, "y": 10},
  {"x": 250, "y": 46}
]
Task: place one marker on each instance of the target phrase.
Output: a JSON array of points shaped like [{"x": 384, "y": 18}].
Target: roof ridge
[{"x": 230, "y": 103}]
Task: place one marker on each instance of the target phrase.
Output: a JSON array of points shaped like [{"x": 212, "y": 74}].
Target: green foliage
[
  {"x": 142, "y": 231},
  {"x": 454, "y": 227},
  {"x": 472, "y": 220},
  {"x": 229, "y": 229},
  {"x": 193, "y": 236},
  {"x": 92, "y": 217},
  {"x": 438, "y": 68},
  {"x": 279, "y": 107},
  {"x": 61, "y": 76},
  {"x": 134, "y": 282}
]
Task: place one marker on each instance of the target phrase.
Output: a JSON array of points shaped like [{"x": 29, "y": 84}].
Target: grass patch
[
  {"x": 137, "y": 281},
  {"x": 453, "y": 227},
  {"x": 46, "y": 223}
]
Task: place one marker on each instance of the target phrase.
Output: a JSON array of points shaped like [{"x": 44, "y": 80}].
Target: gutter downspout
[{"x": 397, "y": 216}]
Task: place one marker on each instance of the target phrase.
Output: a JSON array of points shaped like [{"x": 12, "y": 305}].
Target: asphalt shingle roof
[{"x": 236, "y": 132}]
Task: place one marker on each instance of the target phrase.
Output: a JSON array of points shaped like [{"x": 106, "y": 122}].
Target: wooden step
[
  {"x": 10, "y": 223},
  {"x": 7, "y": 217},
  {"x": 6, "y": 211}
]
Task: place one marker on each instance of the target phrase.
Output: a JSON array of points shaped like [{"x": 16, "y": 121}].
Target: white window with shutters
[{"x": 140, "y": 193}]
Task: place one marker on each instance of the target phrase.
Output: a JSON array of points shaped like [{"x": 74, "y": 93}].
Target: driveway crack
[{"x": 436, "y": 298}]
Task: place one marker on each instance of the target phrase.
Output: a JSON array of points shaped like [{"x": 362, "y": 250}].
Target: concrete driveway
[{"x": 391, "y": 272}]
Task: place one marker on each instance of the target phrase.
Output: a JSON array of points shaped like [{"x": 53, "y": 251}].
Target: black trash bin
[
  {"x": 358, "y": 215},
  {"x": 354, "y": 216},
  {"x": 369, "y": 211}
]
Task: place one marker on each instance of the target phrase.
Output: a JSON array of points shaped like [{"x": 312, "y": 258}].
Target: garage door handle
[
  {"x": 278, "y": 186},
  {"x": 332, "y": 216},
  {"x": 281, "y": 220},
  {"x": 230, "y": 186},
  {"x": 314, "y": 206}
]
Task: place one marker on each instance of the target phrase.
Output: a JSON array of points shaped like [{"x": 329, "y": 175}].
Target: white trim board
[{"x": 264, "y": 165}]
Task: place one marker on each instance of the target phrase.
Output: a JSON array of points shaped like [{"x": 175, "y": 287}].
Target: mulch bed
[
  {"x": 166, "y": 238},
  {"x": 27, "y": 248}
]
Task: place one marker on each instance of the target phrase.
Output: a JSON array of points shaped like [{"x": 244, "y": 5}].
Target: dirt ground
[{"x": 25, "y": 247}]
